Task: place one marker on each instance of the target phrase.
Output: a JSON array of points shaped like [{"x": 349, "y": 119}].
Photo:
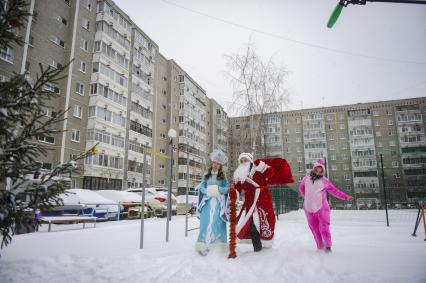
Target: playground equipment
[{"x": 420, "y": 216}]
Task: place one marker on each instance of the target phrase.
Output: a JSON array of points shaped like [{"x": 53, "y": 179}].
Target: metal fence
[{"x": 284, "y": 199}]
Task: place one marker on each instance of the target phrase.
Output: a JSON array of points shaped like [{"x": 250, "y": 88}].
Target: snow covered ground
[{"x": 364, "y": 250}]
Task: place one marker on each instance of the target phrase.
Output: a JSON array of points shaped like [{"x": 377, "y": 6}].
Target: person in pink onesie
[{"x": 313, "y": 189}]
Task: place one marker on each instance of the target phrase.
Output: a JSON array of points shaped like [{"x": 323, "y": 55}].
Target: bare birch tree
[{"x": 258, "y": 90}]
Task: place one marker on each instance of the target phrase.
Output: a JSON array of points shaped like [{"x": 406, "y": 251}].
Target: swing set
[{"x": 420, "y": 216}]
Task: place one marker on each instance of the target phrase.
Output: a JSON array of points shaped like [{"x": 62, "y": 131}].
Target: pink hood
[{"x": 319, "y": 163}]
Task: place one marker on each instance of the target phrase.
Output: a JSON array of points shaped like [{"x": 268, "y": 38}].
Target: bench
[{"x": 68, "y": 220}]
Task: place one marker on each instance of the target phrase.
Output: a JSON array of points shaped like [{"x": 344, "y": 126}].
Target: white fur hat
[
  {"x": 218, "y": 156},
  {"x": 246, "y": 155}
]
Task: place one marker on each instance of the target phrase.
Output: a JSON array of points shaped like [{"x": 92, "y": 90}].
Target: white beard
[{"x": 242, "y": 172}]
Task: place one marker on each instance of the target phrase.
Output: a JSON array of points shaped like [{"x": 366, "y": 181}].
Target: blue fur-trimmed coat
[{"x": 213, "y": 213}]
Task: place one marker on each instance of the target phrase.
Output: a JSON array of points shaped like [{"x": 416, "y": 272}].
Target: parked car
[
  {"x": 156, "y": 199},
  {"x": 130, "y": 203},
  {"x": 164, "y": 191},
  {"x": 181, "y": 201},
  {"x": 79, "y": 201},
  {"x": 412, "y": 206}
]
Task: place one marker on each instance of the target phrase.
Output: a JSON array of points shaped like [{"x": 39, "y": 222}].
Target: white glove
[
  {"x": 261, "y": 167},
  {"x": 213, "y": 191}
]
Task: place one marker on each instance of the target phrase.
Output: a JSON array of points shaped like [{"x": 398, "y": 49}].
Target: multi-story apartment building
[
  {"x": 351, "y": 139},
  {"x": 108, "y": 89}
]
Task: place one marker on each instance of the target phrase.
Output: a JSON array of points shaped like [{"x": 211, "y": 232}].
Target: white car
[
  {"x": 103, "y": 208},
  {"x": 157, "y": 199},
  {"x": 181, "y": 202},
  {"x": 130, "y": 203}
]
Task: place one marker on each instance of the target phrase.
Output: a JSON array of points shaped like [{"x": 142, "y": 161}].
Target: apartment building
[
  {"x": 352, "y": 139},
  {"x": 108, "y": 87}
]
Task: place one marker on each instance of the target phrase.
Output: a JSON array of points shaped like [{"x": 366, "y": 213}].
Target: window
[
  {"x": 342, "y": 136},
  {"x": 298, "y": 139},
  {"x": 48, "y": 112},
  {"x": 51, "y": 62},
  {"x": 331, "y": 137},
  {"x": 85, "y": 23},
  {"x": 397, "y": 175},
  {"x": 333, "y": 157},
  {"x": 61, "y": 20},
  {"x": 52, "y": 88},
  {"x": 392, "y": 143},
  {"x": 57, "y": 41},
  {"x": 297, "y": 130},
  {"x": 78, "y": 112},
  {"x": 46, "y": 139},
  {"x": 7, "y": 54},
  {"x": 345, "y": 167},
  {"x": 377, "y": 123},
  {"x": 75, "y": 135},
  {"x": 82, "y": 66},
  {"x": 4, "y": 78},
  {"x": 162, "y": 166},
  {"x": 27, "y": 66},
  {"x": 376, "y": 113},
  {"x": 378, "y": 134},
  {"x": 79, "y": 88},
  {"x": 83, "y": 44},
  {"x": 390, "y": 122},
  {"x": 87, "y": 4},
  {"x": 332, "y": 147},
  {"x": 161, "y": 182},
  {"x": 394, "y": 163}
]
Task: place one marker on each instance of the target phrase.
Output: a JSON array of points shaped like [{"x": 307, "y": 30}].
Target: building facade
[{"x": 353, "y": 140}]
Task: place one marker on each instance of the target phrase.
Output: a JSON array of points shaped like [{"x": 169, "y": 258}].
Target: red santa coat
[{"x": 257, "y": 205}]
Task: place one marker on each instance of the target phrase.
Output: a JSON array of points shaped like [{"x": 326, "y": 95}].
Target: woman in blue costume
[{"x": 212, "y": 209}]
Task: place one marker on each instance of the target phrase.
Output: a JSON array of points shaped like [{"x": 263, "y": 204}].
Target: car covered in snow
[
  {"x": 80, "y": 201},
  {"x": 157, "y": 199},
  {"x": 181, "y": 202},
  {"x": 130, "y": 203}
]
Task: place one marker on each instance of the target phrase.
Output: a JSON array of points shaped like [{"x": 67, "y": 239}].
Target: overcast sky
[{"x": 380, "y": 47}]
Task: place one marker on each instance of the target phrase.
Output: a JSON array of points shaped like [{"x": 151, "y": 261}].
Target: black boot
[{"x": 255, "y": 237}]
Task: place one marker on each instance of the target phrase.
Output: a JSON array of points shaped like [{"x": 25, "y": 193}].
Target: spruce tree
[{"x": 23, "y": 189}]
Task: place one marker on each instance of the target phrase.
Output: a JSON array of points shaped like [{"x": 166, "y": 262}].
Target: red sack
[{"x": 281, "y": 168}]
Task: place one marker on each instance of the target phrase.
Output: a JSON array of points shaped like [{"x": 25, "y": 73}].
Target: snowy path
[{"x": 364, "y": 250}]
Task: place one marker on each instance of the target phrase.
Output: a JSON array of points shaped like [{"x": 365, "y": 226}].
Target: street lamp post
[
  {"x": 143, "y": 196},
  {"x": 172, "y": 134},
  {"x": 343, "y": 3},
  {"x": 186, "y": 193},
  {"x": 384, "y": 190}
]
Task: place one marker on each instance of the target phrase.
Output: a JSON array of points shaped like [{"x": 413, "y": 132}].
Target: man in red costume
[{"x": 251, "y": 179}]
